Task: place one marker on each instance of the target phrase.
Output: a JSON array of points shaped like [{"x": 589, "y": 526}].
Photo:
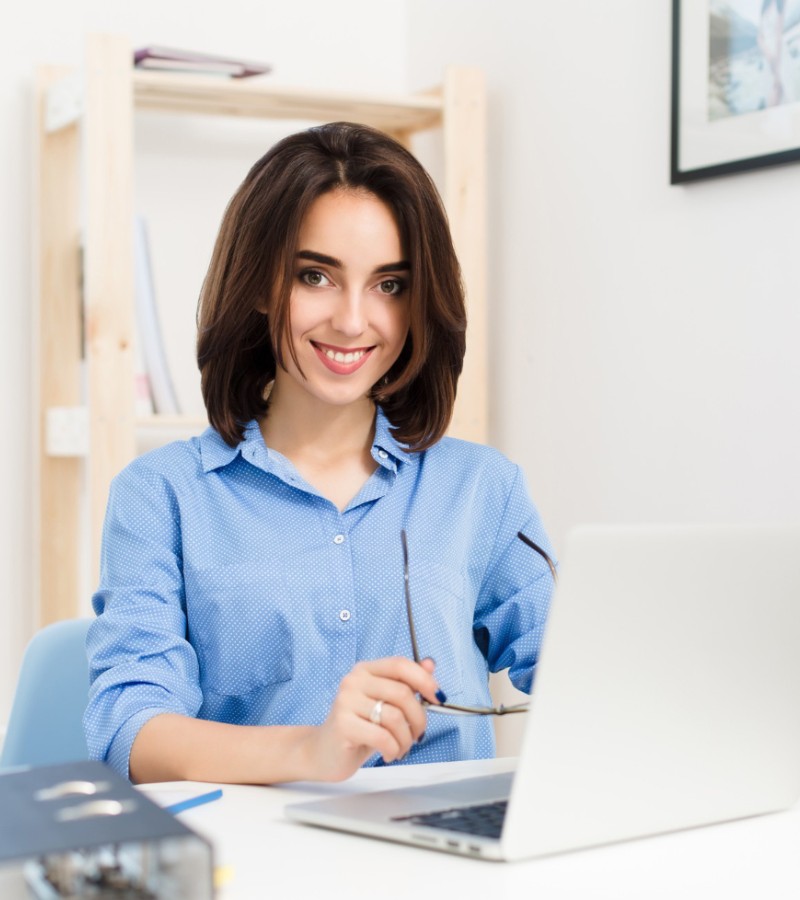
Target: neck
[{"x": 297, "y": 424}]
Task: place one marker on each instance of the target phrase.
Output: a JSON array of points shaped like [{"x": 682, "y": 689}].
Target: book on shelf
[
  {"x": 173, "y": 60},
  {"x": 141, "y": 385},
  {"x": 153, "y": 374}
]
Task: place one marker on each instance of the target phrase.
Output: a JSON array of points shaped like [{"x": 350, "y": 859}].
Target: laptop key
[{"x": 484, "y": 819}]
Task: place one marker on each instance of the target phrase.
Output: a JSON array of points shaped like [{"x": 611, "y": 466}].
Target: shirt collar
[
  {"x": 216, "y": 454},
  {"x": 385, "y": 443}
]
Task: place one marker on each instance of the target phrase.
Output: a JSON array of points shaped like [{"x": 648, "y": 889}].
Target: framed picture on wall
[{"x": 735, "y": 86}]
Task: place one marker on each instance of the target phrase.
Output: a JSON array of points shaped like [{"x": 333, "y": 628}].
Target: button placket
[{"x": 341, "y": 613}]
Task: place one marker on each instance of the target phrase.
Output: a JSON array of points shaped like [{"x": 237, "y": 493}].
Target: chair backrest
[{"x": 46, "y": 722}]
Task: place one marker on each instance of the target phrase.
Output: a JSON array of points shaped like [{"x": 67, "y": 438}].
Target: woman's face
[{"x": 349, "y": 308}]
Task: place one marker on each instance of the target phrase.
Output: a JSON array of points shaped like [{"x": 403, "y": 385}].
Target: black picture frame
[{"x": 714, "y": 132}]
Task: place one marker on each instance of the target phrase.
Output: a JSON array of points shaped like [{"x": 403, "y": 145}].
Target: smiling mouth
[{"x": 340, "y": 361}]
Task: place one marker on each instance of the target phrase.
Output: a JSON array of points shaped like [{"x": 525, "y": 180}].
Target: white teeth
[{"x": 346, "y": 358}]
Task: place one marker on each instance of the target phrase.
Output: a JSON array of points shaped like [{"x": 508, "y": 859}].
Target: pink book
[{"x": 174, "y": 60}]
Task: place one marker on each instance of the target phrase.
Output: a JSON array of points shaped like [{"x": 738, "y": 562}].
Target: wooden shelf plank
[{"x": 209, "y": 95}]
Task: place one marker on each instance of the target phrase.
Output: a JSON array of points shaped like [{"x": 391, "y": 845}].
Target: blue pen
[{"x": 191, "y": 802}]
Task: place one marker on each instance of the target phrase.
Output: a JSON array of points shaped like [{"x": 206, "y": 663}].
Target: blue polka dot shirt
[{"x": 231, "y": 590}]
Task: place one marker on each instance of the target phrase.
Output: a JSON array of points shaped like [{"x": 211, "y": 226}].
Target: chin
[{"x": 341, "y": 397}]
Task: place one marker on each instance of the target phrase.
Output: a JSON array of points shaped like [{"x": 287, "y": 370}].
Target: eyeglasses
[{"x": 455, "y": 708}]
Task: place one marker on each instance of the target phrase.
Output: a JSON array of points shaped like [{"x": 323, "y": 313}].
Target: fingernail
[{"x": 441, "y": 696}]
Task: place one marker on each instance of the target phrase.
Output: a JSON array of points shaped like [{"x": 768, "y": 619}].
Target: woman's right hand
[{"x": 351, "y": 734}]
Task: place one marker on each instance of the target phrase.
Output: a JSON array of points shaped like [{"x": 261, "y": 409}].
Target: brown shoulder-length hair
[{"x": 252, "y": 267}]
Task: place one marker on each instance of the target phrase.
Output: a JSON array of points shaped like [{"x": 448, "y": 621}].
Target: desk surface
[
  {"x": 753, "y": 858},
  {"x": 269, "y": 856}
]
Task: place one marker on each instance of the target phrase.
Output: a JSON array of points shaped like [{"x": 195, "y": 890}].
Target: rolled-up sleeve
[
  {"x": 140, "y": 662},
  {"x": 513, "y": 603}
]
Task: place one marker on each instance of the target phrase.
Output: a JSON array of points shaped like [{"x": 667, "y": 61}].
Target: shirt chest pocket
[
  {"x": 242, "y": 630},
  {"x": 443, "y": 622}
]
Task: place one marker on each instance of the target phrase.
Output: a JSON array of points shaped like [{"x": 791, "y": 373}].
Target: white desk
[
  {"x": 758, "y": 858},
  {"x": 271, "y": 857}
]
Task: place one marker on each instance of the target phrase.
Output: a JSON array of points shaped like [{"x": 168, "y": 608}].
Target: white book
[{"x": 156, "y": 365}]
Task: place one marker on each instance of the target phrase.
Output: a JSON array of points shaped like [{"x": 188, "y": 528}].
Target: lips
[{"x": 342, "y": 360}]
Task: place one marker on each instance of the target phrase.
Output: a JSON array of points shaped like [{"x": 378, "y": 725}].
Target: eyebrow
[{"x": 325, "y": 260}]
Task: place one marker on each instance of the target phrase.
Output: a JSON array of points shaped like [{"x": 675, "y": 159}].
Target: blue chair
[{"x": 46, "y": 722}]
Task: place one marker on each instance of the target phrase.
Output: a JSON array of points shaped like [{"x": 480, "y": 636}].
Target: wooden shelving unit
[{"x": 85, "y": 313}]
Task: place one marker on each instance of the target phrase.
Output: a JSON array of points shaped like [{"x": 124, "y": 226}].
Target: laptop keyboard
[{"x": 484, "y": 819}]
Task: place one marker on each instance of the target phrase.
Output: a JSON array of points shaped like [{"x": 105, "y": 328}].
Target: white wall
[
  {"x": 185, "y": 175},
  {"x": 645, "y": 361}
]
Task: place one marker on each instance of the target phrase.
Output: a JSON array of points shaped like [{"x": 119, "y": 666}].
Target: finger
[
  {"x": 364, "y": 733},
  {"x": 402, "y": 698},
  {"x": 398, "y": 668},
  {"x": 393, "y": 719},
  {"x": 360, "y": 690}
]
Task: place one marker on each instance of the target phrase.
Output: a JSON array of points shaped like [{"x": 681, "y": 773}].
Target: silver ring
[{"x": 375, "y": 715}]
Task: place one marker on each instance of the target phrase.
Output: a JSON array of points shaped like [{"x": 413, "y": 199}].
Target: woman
[{"x": 251, "y": 617}]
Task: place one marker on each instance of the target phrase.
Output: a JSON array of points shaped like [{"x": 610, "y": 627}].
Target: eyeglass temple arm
[
  {"x": 526, "y": 540},
  {"x": 411, "y": 627}
]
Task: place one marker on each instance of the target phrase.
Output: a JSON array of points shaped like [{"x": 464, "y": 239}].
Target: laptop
[{"x": 667, "y": 696}]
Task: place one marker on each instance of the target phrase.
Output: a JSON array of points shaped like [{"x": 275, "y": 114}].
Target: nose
[{"x": 350, "y": 314}]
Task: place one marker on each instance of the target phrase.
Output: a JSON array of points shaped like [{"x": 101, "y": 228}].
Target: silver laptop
[{"x": 667, "y": 696}]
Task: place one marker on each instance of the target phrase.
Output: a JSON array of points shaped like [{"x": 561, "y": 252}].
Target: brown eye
[
  {"x": 391, "y": 286},
  {"x": 312, "y": 277}
]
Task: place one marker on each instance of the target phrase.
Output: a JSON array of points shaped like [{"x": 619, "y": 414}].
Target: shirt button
[
  {"x": 383, "y": 454},
  {"x": 339, "y": 539},
  {"x": 344, "y": 615}
]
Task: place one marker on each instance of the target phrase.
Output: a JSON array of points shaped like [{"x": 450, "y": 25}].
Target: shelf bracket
[
  {"x": 67, "y": 431},
  {"x": 66, "y": 101}
]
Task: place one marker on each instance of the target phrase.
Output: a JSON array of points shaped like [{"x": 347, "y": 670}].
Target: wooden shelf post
[
  {"x": 464, "y": 124},
  {"x": 109, "y": 271},
  {"x": 59, "y": 479}
]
